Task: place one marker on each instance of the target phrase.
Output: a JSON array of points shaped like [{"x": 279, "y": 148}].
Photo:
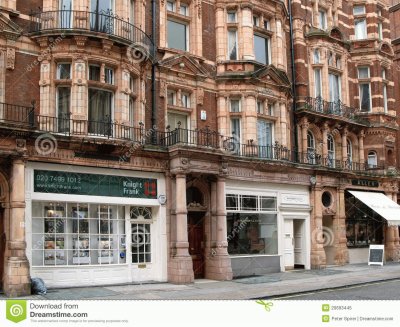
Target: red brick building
[{"x": 173, "y": 140}]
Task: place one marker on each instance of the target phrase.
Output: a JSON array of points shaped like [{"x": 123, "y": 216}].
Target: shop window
[
  {"x": 141, "y": 221},
  {"x": 252, "y": 231},
  {"x": 66, "y": 234}
]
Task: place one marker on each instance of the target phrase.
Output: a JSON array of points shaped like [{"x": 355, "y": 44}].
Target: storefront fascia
[
  {"x": 292, "y": 205},
  {"x": 148, "y": 229}
]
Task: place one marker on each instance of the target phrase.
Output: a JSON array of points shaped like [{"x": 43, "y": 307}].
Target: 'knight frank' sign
[{"x": 47, "y": 181}]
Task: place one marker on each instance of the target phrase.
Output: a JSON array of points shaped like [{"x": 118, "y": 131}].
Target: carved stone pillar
[
  {"x": 318, "y": 257},
  {"x": 219, "y": 265},
  {"x": 304, "y": 129},
  {"x": 361, "y": 147},
  {"x": 344, "y": 145},
  {"x": 342, "y": 252},
  {"x": 325, "y": 130},
  {"x": 246, "y": 44},
  {"x": 16, "y": 278},
  {"x": 180, "y": 266}
]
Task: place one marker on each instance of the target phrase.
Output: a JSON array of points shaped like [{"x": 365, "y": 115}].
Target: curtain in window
[
  {"x": 232, "y": 46},
  {"x": 100, "y": 104},
  {"x": 317, "y": 83},
  {"x": 360, "y": 29},
  {"x": 63, "y": 109},
  {"x": 365, "y": 97},
  {"x": 264, "y": 138},
  {"x": 331, "y": 151},
  {"x": 334, "y": 92},
  {"x": 235, "y": 145}
]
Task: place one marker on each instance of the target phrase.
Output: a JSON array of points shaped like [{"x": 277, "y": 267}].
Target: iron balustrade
[
  {"x": 337, "y": 108},
  {"x": 205, "y": 139},
  {"x": 104, "y": 22},
  {"x": 17, "y": 115}
]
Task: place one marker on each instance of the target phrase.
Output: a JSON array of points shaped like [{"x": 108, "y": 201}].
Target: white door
[
  {"x": 289, "y": 245},
  {"x": 298, "y": 242}
]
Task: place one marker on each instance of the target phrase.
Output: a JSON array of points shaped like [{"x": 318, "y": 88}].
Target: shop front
[
  {"x": 268, "y": 227},
  {"x": 87, "y": 226},
  {"x": 372, "y": 218}
]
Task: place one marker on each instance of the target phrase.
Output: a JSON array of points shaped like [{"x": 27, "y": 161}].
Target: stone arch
[
  {"x": 4, "y": 188},
  {"x": 203, "y": 188},
  {"x": 385, "y": 47},
  {"x": 336, "y": 33}
]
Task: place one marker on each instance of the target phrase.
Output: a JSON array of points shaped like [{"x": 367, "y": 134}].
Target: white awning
[{"x": 381, "y": 204}]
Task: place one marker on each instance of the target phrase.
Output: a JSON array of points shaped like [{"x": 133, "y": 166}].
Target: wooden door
[
  {"x": 196, "y": 242},
  {"x": 289, "y": 244}
]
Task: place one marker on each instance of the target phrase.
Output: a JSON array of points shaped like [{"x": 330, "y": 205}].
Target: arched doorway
[{"x": 196, "y": 219}]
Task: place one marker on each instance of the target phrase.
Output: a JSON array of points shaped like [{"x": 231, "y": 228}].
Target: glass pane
[
  {"x": 317, "y": 81},
  {"x": 232, "y": 202},
  {"x": 94, "y": 73},
  {"x": 177, "y": 38},
  {"x": 363, "y": 72},
  {"x": 365, "y": 97},
  {"x": 235, "y": 105},
  {"x": 232, "y": 44},
  {"x": 261, "y": 49},
  {"x": 64, "y": 71},
  {"x": 268, "y": 203},
  {"x": 358, "y": 10},
  {"x": 100, "y": 105},
  {"x": 249, "y": 202}
]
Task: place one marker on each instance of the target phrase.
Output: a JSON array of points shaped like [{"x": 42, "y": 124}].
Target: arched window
[
  {"x": 372, "y": 159},
  {"x": 349, "y": 153},
  {"x": 310, "y": 148},
  {"x": 331, "y": 151}
]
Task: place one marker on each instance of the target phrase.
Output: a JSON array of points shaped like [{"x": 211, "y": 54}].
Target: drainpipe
[
  {"x": 153, "y": 68},
  {"x": 293, "y": 68}
]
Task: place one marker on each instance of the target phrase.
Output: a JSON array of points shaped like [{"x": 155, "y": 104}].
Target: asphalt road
[{"x": 386, "y": 290}]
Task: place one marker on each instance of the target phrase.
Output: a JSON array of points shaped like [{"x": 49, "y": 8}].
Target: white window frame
[
  {"x": 174, "y": 95},
  {"x": 364, "y": 33},
  {"x": 316, "y": 56},
  {"x": 331, "y": 147},
  {"x": 260, "y": 106},
  {"x": 185, "y": 103},
  {"x": 380, "y": 31},
  {"x": 385, "y": 98},
  {"x": 363, "y": 67},
  {"x": 171, "y": 6},
  {"x": 185, "y": 10},
  {"x": 372, "y": 159},
  {"x": 139, "y": 222}
]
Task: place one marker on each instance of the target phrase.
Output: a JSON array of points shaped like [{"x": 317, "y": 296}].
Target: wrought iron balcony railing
[
  {"x": 17, "y": 116},
  {"x": 203, "y": 139},
  {"x": 94, "y": 22},
  {"x": 336, "y": 108}
]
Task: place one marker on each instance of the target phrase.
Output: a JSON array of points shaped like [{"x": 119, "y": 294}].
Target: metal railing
[
  {"x": 337, "y": 108},
  {"x": 205, "y": 139},
  {"x": 17, "y": 115},
  {"x": 98, "y": 22}
]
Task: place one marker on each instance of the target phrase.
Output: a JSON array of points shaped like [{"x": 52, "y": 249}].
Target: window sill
[
  {"x": 178, "y": 108},
  {"x": 102, "y": 85},
  {"x": 59, "y": 82},
  {"x": 263, "y": 31},
  {"x": 267, "y": 117}
]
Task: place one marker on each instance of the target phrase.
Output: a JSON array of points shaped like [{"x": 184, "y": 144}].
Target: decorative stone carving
[
  {"x": 107, "y": 45},
  {"x": 20, "y": 145},
  {"x": 163, "y": 88},
  {"x": 200, "y": 96},
  {"x": 80, "y": 41},
  {"x": 10, "y": 63}
]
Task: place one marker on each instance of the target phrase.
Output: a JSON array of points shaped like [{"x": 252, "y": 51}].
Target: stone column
[
  {"x": 220, "y": 262},
  {"x": 250, "y": 111},
  {"x": 392, "y": 246},
  {"x": 16, "y": 278},
  {"x": 181, "y": 266},
  {"x": 222, "y": 115},
  {"x": 318, "y": 257},
  {"x": 344, "y": 145},
  {"x": 283, "y": 123},
  {"x": 221, "y": 36},
  {"x": 247, "y": 43},
  {"x": 325, "y": 130},
  {"x": 361, "y": 148},
  {"x": 304, "y": 129},
  {"x": 342, "y": 252}
]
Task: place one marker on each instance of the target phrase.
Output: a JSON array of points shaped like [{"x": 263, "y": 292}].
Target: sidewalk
[{"x": 270, "y": 285}]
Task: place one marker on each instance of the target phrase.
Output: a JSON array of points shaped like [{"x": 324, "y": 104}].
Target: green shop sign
[{"x": 47, "y": 181}]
